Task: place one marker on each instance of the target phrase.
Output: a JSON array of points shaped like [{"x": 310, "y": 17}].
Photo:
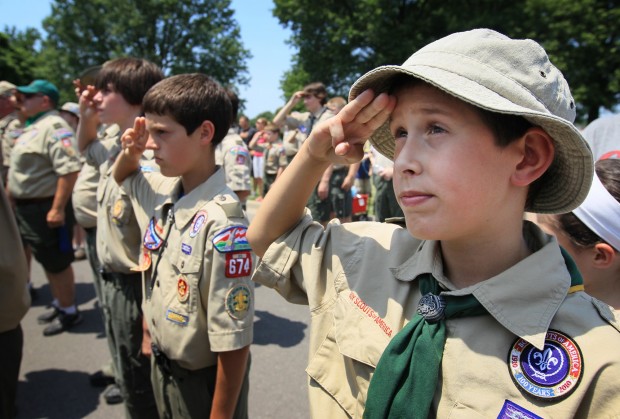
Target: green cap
[{"x": 41, "y": 86}]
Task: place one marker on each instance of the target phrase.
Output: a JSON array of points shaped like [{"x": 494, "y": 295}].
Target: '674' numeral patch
[{"x": 238, "y": 264}]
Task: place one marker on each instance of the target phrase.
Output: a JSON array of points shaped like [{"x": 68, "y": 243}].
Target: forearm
[
  {"x": 280, "y": 117},
  {"x": 284, "y": 205},
  {"x": 231, "y": 367},
  {"x": 124, "y": 166},
  {"x": 86, "y": 133},
  {"x": 64, "y": 188}
]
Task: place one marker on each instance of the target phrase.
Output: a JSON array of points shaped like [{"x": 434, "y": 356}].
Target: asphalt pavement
[{"x": 54, "y": 372}]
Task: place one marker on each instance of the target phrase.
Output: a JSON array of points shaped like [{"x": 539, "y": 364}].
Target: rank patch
[
  {"x": 177, "y": 318},
  {"x": 152, "y": 237},
  {"x": 199, "y": 221},
  {"x": 231, "y": 239},
  {"x": 182, "y": 290},
  {"x": 186, "y": 248},
  {"x": 238, "y": 301},
  {"x": 238, "y": 264},
  {"x": 513, "y": 410},
  {"x": 550, "y": 374}
]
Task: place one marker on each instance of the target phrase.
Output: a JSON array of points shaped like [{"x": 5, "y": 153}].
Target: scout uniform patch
[
  {"x": 238, "y": 264},
  {"x": 200, "y": 220},
  {"x": 152, "y": 237},
  {"x": 512, "y": 410},
  {"x": 62, "y": 134},
  {"x": 177, "y": 318},
  {"x": 238, "y": 301},
  {"x": 145, "y": 262},
  {"x": 117, "y": 211},
  {"x": 550, "y": 374},
  {"x": 186, "y": 248},
  {"x": 231, "y": 239},
  {"x": 182, "y": 290},
  {"x": 241, "y": 154}
]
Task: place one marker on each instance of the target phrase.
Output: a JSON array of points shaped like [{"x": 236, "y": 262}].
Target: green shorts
[
  {"x": 339, "y": 203},
  {"x": 51, "y": 247}
]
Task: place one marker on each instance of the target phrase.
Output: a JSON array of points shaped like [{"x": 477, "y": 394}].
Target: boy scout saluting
[
  {"x": 116, "y": 98},
  {"x": 469, "y": 311},
  {"x": 43, "y": 169},
  {"x": 196, "y": 262}
]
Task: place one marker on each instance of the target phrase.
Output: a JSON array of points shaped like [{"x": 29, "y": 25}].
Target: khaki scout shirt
[
  {"x": 202, "y": 301},
  {"x": 84, "y": 195},
  {"x": 298, "y": 125},
  {"x": 14, "y": 295},
  {"x": 40, "y": 155},
  {"x": 233, "y": 155},
  {"x": 359, "y": 280},
  {"x": 275, "y": 158},
  {"x": 118, "y": 231}
]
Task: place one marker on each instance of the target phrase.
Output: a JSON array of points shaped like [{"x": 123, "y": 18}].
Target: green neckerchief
[
  {"x": 401, "y": 388},
  {"x": 33, "y": 119}
]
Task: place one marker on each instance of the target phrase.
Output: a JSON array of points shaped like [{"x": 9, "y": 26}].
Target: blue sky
[{"x": 260, "y": 31}]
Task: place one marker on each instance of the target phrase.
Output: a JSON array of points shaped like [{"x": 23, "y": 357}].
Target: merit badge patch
[
  {"x": 117, "y": 211},
  {"x": 182, "y": 290},
  {"x": 238, "y": 301},
  {"x": 177, "y": 318},
  {"x": 186, "y": 248},
  {"x": 145, "y": 262},
  {"x": 512, "y": 410},
  {"x": 231, "y": 239},
  {"x": 199, "y": 221},
  {"x": 550, "y": 374},
  {"x": 152, "y": 237},
  {"x": 238, "y": 264}
]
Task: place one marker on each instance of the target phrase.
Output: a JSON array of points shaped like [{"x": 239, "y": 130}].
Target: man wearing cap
[{"x": 43, "y": 170}]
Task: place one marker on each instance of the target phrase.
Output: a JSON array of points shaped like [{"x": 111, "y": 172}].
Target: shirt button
[
  {"x": 182, "y": 264},
  {"x": 157, "y": 283}
]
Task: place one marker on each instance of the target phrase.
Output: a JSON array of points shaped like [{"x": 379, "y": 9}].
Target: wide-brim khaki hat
[{"x": 504, "y": 75}]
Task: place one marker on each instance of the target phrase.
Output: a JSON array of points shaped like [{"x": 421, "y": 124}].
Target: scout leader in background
[
  {"x": 199, "y": 304},
  {"x": 44, "y": 167},
  {"x": 480, "y": 129}
]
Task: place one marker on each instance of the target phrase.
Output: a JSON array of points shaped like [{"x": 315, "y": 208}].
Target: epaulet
[
  {"x": 607, "y": 313},
  {"x": 400, "y": 221},
  {"x": 231, "y": 207}
]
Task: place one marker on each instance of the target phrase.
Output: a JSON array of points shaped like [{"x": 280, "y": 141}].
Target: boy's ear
[
  {"x": 207, "y": 131},
  {"x": 604, "y": 255},
  {"x": 537, "y": 149}
]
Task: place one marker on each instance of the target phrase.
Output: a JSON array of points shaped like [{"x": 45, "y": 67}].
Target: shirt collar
[
  {"x": 186, "y": 207},
  {"x": 524, "y": 298}
]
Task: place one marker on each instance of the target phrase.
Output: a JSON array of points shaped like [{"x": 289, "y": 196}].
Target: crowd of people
[{"x": 452, "y": 302}]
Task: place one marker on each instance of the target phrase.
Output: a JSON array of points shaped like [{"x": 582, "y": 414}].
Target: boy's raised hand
[
  {"x": 134, "y": 139},
  {"x": 88, "y": 108},
  {"x": 341, "y": 139}
]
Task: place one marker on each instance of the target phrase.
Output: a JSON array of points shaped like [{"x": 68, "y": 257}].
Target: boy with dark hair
[
  {"x": 117, "y": 99},
  {"x": 196, "y": 262},
  {"x": 469, "y": 311}
]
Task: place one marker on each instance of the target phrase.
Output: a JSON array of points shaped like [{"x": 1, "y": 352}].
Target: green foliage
[
  {"x": 339, "y": 41},
  {"x": 19, "y": 61},
  {"x": 268, "y": 115},
  {"x": 180, "y": 36}
]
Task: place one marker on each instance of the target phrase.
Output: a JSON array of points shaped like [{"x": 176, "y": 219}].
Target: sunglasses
[{"x": 31, "y": 95}]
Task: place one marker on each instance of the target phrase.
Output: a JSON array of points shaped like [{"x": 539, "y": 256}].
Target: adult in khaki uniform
[
  {"x": 14, "y": 303},
  {"x": 469, "y": 311},
  {"x": 196, "y": 262},
  {"x": 275, "y": 157},
  {"x": 233, "y": 155},
  {"x": 117, "y": 99},
  {"x": 7, "y": 115},
  {"x": 44, "y": 168}
]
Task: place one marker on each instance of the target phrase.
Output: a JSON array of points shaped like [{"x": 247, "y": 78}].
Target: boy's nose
[{"x": 150, "y": 143}]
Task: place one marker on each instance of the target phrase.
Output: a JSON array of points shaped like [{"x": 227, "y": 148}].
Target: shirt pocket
[
  {"x": 346, "y": 359},
  {"x": 184, "y": 295}
]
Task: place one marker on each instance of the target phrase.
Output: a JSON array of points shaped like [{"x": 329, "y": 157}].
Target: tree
[
  {"x": 180, "y": 36},
  {"x": 19, "y": 59},
  {"x": 339, "y": 41}
]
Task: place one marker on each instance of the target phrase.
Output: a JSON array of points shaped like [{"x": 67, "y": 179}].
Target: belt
[
  {"x": 31, "y": 201},
  {"x": 117, "y": 276},
  {"x": 172, "y": 368}
]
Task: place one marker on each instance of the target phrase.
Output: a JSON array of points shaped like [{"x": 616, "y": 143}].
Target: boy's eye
[
  {"x": 400, "y": 133},
  {"x": 435, "y": 129}
]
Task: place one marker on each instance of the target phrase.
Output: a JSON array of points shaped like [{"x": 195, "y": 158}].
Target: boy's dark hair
[
  {"x": 131, "y": 77},
  {"x": 191, "y": 99},
  {"x": 608, "y": 171},
  {"x": 317, "y": 89}
]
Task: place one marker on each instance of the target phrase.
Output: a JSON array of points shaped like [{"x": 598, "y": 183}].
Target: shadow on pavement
[
  {"x": 56, "y": 394},
  {"x": 270, "y": 329},
  {"x": 84, "y": 292}
]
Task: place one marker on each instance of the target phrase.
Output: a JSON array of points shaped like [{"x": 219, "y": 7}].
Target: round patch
[
  {"x": 199, "y": 221},
  {"x": 145, "y": 262},
  {"x": 182, "y": 290},
  {"x": 238, "y": 301},
  {"x": 550, "y": 374}
]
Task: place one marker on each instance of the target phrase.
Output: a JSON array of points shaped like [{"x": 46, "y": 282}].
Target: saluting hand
[
  {"x": 341, "y": 139},
  {"x": 88, "y": 107},
  {"x": 134, "y": 139}
]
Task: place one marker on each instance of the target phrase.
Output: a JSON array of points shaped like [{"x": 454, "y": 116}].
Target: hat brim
[{"x": 563, "y": 186}]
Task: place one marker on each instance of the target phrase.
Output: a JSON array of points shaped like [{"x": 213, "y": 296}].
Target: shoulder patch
[
  {"x": 238, "y": 301},
  {"x": 608, "y": 313},
  {"x": 231, "y": 239}
]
